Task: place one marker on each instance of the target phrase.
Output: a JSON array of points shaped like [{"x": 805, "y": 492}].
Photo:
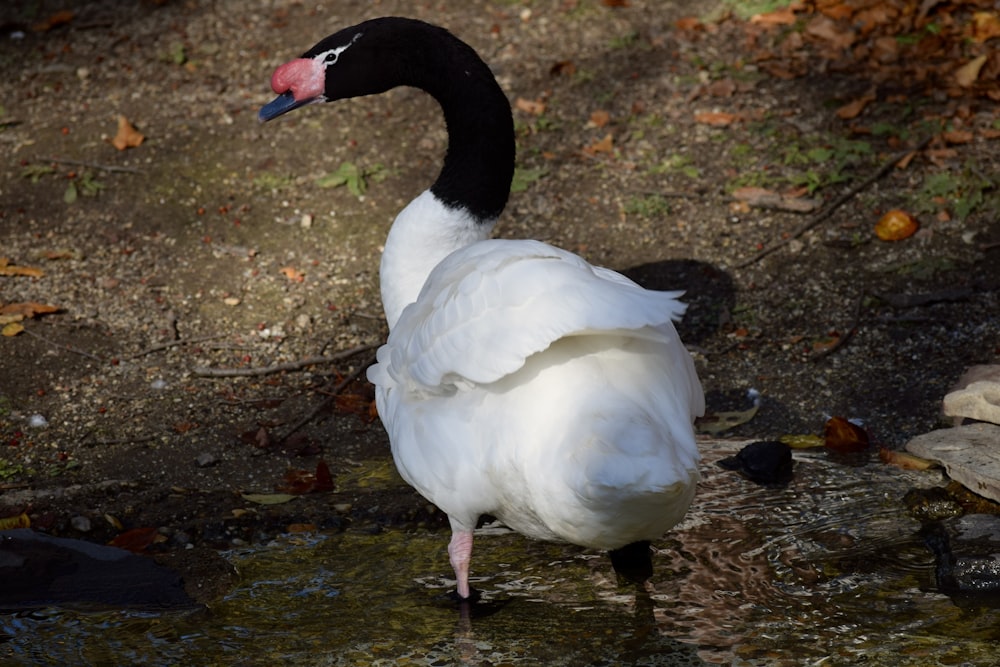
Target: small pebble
[
  {"x": 157, "y": 385},
  {"x": 206, "y": 460},
  {"x": 38, "y": 421},
  {"x": 80, "y": 523}
]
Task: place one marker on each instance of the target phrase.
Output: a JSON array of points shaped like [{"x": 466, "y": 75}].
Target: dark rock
[
  {"x": 966, "y": 555},
  {"x": 766, "y": 462},
  {"x": 40, "y": 571}
]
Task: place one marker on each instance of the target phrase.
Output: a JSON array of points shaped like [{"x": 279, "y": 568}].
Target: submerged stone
[
  {"x": 966, "y": 554},
  {"x": 766, "y": 462},
  {"x": 41, "y": 571},
  {"x": 970, "y": 454}
]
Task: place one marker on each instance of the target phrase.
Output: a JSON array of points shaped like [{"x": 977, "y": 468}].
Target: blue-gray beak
[{"x": 280, "y": 105}]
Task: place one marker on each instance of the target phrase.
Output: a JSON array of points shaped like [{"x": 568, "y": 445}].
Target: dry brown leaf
[
  {"x": 127, "y": 136},
  {"x": 783, "y": 16},
  {"x": 599, "y": 118},
  {"x": 534, "y": 107},
  {"x": 854, "y": 109},
  {"x": 904, "y": 460},
  {"x": 907, "y": 159},
  {"x": 827, "y": 30},
  {"x": 957, "y": 136},
  {"x": 967, "y": 74},
  {"x": 716, "y": 118},
  {"x": 564, "y": 67},
  {"x": 985, "y": 25},
  {"x": 54, "y": 21},
  {"x": 688, "y": 24},
  {"x": 987, "y": 133},
  {"x": 7, "y": 269},
  {"x": 615, "y": 3},
  {"x": 605, "y": 145},
  {"x": 293, "y": 274},
  {"x": 28, "y": 309}
]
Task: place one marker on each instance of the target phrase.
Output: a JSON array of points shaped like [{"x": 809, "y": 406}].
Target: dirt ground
[{"x": 213, "y": 245}]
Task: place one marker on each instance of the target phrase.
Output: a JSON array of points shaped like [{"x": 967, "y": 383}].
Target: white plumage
[{"x": 518, "y": 380}]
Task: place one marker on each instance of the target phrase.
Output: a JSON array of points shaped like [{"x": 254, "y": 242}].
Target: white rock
[
  {"x": 37, "y": 421},
  {"x": 980, "y": 400},
  {"x": 970, "y": 454}
]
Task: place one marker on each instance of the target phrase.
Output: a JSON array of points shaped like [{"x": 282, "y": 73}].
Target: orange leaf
[
  {"x": 615, "y": 3},
  {"x": 54, "y": 21},
  {"x": 842, "y": 436},
  {"x": 854, "y": 109},
  {"x": 293, "y": 274},
  {"x": 136, "y": 540},
  {"x": 534, "y": 107},
  {"x": 565, "y": 67},
  {"x": 985, "y": 25},
  {"x": 28, "y": 309},
  {"x": 688, "y": 23},
  {"x": 599, "y": 118},
  {"x": 904, "y": 460},
  {"x": 605, "y": 145},
  {"x": 7, "y": 269},
  {"x": 783, "y": 16},
  {"x": 128, "y": 136},
  {"x": 716, "y": 118},
  {"x": 11, "y": 329},
  {"x": 957, "y": 136},
  {"x": 896, "y": 225}
]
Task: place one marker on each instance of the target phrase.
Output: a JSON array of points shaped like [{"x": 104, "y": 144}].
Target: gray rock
[
  {"x": 80, "y": 523},
  {"x": 979, "y": 400},
  {"x": 206, "y": 460},
  {"x": 970, "y": 454}
]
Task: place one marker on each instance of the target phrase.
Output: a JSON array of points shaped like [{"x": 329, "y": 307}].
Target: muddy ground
[{"x": 212, "y": 245}]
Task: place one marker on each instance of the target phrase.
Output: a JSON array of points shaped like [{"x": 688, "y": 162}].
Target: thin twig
[
  {"x": 842, "y": 340},
  {"x": 93, "y": 165},
  {"x": 326, "y": 402},
  {"x": 117, "y": 441},
  {"x": 287, "y": 366},
  {"x": 822, "y": 215},
  {"x": 170, "y": 344},
  {"x": 61, "y": 346}
]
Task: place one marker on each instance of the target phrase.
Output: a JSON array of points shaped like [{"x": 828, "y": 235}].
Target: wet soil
[{"x": 212, "y": 245}]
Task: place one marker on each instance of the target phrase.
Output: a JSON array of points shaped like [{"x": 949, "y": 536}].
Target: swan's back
[{"x": 557, "y": 396}]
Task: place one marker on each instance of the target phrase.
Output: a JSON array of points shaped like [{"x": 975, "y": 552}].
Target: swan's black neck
[{"x": 389, "y": 52}]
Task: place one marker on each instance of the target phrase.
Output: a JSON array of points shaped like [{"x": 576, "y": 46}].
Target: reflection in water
[{"x": 829, "y": 570}]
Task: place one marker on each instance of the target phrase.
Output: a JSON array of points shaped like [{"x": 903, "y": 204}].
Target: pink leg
[{"x": 460, "y": 554}]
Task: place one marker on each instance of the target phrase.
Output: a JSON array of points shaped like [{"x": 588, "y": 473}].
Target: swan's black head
[{"x": 365, "y": 59}]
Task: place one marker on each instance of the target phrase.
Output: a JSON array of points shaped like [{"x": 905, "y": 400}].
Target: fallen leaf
[
  {"x": 184, "y": 427},
  {"x": 804, "y": 441},
  {"x": 534, "y": 107},
  {"x": 267, "y": 498},
  {"x": 896, "y": 225},
  {"x": 957, "y": 136},
  {"x": 784, "y": 16},
  {"x": 967, "y": 74},
  {"x": 904, "y": 460},
  {"x": 324, "y": 480},
  {"x": 827, "y": 30},
  {"x": 717, "y": 422},
  {"x": 987, "y": 133},
  {"x": 17, "y": 521},
  {"x": 12, "y": 329},
  {"x": 605, "y": 145},
  {"x": 842, "y": 436},
  {"x": 28, "y": 309},
  {"x": 7, "y": 269},
  {"x": 599, "y": 118},
  {"x": 127, "y": 136},
  {"x": 564, "y": 67},
  {"x": 300, "y": 528},
  {"x": 985, "y": 25},
  {"x": 907, "y": 159},
  {"x": 136, "y": 540},
  {"x": 716, "y": 118},
  {"x": 54, "y": 21},
  {"x": 293, "y": 274},
  {"x": 615, "y": 3},
  {"x": 688, "y": 24},
  {"x": 854, "y": 109}
]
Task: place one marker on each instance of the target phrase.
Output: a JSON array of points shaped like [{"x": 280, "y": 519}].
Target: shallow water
[{"x": 828, "y": 571}]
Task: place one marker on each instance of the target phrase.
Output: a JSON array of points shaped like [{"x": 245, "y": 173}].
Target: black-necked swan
[{"x": 518, "y": 380}]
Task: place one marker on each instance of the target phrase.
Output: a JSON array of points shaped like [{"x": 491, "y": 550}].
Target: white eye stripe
[{"x": 333, "y": 55}]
